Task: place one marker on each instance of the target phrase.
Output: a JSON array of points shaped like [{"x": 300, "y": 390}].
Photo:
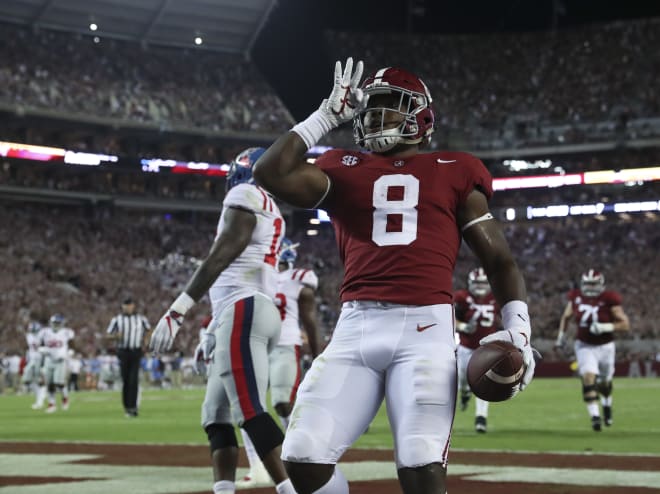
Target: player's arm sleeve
[
  {"x": 310, "y": 279},
  {"x": 246, "y": 197},
  {"x": 474, "y": 175}
]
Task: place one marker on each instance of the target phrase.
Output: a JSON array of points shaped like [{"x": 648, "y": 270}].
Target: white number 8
[{"x": 406, "y": 207}]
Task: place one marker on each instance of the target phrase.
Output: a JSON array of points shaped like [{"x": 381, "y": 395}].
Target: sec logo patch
[{"x": 349, "y": 160}]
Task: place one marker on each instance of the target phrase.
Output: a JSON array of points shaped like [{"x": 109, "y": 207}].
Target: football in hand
[{"x": 495, "y": 370}]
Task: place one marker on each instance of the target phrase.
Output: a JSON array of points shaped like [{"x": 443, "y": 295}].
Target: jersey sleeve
[
  {"x": 474, "y": 176},
  {"x": 613, "y": 298},
  {"x": 570, "y": 296},
  {"x": 247, "y": 197},
  {"x": 330, "y": 163},
  {"x": 310, "y": 279}
]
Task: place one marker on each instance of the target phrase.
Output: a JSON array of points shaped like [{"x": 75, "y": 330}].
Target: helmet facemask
[{"x": 388, "y": 118}]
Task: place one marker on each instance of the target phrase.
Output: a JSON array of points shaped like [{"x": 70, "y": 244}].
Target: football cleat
[
  {"x": 65, "y": 404},
  {"x": 595, "y": 423},
  {"x": 51, "y": 408},
  {"x": 480, "y": 424},
  {"x": 607, "y": 415}
]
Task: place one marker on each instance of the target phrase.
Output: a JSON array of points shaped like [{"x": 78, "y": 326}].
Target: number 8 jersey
[
  {"x": 254, "y": 270},
  {"x": 395, "y": 221}
]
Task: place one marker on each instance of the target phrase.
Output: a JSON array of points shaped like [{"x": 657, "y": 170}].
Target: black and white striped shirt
[{"x": 131, "y": 330}]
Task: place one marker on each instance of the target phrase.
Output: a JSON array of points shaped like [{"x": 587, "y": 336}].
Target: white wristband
[
  {"x": 313, "y": 128},
  {"x": 183, "y": 303},
  {"x": 515, "y": 315},
  {"x": 606, "y": 327}
]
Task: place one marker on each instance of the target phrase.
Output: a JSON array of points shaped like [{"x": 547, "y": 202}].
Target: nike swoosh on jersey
[
  {"x": 424, "y": 328},
  {"x": 445, "y": 161}
]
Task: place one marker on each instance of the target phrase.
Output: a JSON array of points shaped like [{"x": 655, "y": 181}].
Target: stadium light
[
  {"x": 93, "y": 27},
  {"x": 198, "y": 40}
]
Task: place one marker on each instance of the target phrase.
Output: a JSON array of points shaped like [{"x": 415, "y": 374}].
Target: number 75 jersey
[
  {"x": 395, "y": 221},
  {"x": 254, "y": 270}
]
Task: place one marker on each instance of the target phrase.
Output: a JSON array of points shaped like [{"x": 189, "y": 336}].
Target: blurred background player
[
  {"x": 597, "y": 313},
  {"x": 477, "y": 315},
  {"x": 32, "y": 373},
  {"x": 296, "y": 302},
  {"x": 240, "y": 271},
  {"x": 56, "y": 339}
]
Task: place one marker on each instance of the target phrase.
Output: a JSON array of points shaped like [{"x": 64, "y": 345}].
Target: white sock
[
  {"x": 593, "y": 409},
  {"x": 606, "y": 401},
  {"x": 65, "y": 393},
  {"x": 250, "y": 452},
  {"x": 51, "y": 398},
  {"x": 224, "y": 487},
  {"x": 482, "y": 407},
  {"x": 41, "y": 395},
  {"x": 285, "y": 487},
  {"x": 336, "y": 485}
]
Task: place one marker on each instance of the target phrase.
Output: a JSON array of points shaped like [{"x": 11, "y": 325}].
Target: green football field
[{"x": 549, "y": 416}]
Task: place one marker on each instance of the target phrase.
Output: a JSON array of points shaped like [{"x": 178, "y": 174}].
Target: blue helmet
[
  {"x": 240, "y": 169},
  {"x": 34, "y": 327},
  {"x": 288, "y": 252},
  {"x": 56, "y": 321}
]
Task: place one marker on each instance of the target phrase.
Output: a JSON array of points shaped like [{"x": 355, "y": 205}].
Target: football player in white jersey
[
  {"x": 240, "y": 271},
  {"x": 32, "y": 376},
  {"x": 297, "y": 305},
  {"x": 56, "y": 338}
]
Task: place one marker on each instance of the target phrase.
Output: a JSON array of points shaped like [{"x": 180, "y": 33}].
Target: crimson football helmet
[
  {"x": 592, "y": 283},
  {"x": 414, "y": 105},
  {"x": 478, "y": 282}
]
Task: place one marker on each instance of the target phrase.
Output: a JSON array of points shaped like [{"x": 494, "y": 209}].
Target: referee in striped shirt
[{"x": 129, "y": 330}]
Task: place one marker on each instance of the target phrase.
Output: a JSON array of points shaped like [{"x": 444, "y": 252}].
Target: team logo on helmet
[
  {"x": 408, "y": 97},
  {"x": 240, "y": 169}
]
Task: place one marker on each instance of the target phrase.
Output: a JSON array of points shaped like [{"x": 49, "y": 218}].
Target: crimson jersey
[
  {"x": 395, "y": 221},
  {"x": 480, "y": 310},
  {"x": 593, "y": 309}
]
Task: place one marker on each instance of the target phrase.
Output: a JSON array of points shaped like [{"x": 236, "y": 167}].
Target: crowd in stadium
[
  {"x": 81, "y": 262},
  {"x": 166, "y": 87},
  {"x": 592, "y": 83}
]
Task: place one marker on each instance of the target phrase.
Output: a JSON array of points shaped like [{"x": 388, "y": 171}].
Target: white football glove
[
  {"x": 169, "y": 325},
  {"x": 346, "y": 96},
  {"x": 598, "y": 328},
  {"x": 520, "y": 338},
  {"x": 466, "y": 327},
  {"x": 204, "y": 351}
]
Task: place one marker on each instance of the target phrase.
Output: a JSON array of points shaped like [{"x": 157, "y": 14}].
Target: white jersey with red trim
[
  {"x": 289, "y": 285},
  {"x": 254, "y": 270},
  {"x": 57, "y": 342},
  {"x": 34, "y": 341}
]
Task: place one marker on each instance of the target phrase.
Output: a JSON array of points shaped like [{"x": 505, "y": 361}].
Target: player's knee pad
[
  {"x": 589, "y": 392},
  {"x": 221, "y": 436},
  {"x": 605, "y": 388},
  {"x": 264, "y": 433}
]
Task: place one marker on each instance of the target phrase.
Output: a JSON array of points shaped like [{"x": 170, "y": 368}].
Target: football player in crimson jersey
[
  {"x": 477, "y": 316},
  {"x": 240, "y": 271},
  {"x": 295, "y": 299},
  {"x": 598, "y": 313},
  {"x": 398, "y": 217}
]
